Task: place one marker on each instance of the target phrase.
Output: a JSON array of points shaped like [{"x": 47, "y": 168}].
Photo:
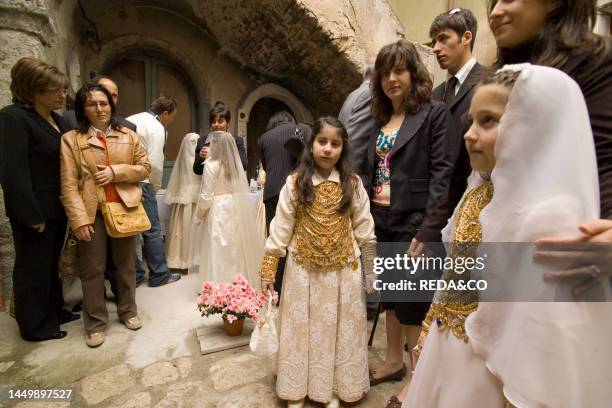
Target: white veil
[
  {"x": 223, "y": 174},
  {"x": 545, "y": 184},
  {"x": 184, "y": 184}
]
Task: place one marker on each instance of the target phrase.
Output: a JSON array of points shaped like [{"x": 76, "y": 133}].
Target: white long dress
[
  {"x": 323, "y": 328},
  {"x": 182, "y": 193},
  {"x": 226, "y": 238},
  {"x": 541, "y": 354}
]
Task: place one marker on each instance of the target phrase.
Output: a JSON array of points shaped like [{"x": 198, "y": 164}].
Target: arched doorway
[
  {"x": 275, "y": 98},
  {"x": 261, "y": 113}
]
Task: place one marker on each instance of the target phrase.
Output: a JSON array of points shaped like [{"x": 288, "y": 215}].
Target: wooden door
[{"x": 141, "y": 80}]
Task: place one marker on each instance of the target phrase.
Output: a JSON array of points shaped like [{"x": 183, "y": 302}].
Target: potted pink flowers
[{"x": 233, "y": 301}]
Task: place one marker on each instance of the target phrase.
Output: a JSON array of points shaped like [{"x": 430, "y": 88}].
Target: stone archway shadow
[{"x": 302, "y": 114}]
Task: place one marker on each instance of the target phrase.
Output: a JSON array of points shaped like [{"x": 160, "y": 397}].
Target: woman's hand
[
  {"x": 39, "y": 227},
  {"x": 588, "y": 257},
  {"x": 104, "y": 176},
  {"x": 84, "y": 232}
]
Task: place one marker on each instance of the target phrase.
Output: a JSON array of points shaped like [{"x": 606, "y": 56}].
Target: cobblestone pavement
[{"x": 159, "y": 366}]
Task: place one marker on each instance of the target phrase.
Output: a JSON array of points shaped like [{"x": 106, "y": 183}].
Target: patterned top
[{"x": 382, "y": 176}]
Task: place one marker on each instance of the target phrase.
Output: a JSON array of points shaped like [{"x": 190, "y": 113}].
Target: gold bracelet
[{"x": 269, "y": 265}]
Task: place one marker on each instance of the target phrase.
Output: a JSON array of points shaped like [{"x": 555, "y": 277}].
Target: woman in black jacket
[
  {"x": 409, "y": 160},
  {"x": 30, "y": 133},
  {"x": 559, "y": 34}
]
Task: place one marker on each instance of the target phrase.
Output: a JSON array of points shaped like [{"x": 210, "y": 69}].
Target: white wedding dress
[{"x": 226, "y": 238}]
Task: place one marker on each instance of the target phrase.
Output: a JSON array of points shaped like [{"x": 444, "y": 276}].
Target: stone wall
[
  {"x": 26, "y": 29},
  {"x": 417, "y": 16}
]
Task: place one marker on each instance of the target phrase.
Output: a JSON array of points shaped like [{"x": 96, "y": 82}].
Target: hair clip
[{"x": 455, "y": 10}]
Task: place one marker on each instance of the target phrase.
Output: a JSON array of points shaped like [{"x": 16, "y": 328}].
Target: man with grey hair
[{"x": 356, "y": 117}]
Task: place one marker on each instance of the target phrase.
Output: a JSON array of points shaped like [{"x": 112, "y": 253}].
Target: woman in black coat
[
  {"x": 409, "y": 160},
  {"x": 30, "y": 133},
  {"x": 559, "y": 34}
]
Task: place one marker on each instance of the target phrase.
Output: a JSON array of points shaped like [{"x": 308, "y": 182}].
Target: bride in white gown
[{"x": 225, "y": 239}]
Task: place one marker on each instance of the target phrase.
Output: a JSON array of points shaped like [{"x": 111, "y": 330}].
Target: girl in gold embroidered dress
[{"x": 323, "y": 224}]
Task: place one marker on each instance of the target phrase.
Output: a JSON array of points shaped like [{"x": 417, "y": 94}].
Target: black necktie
[{"x": 449, "y": 92}]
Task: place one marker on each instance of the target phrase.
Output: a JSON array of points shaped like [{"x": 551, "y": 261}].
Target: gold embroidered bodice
[
  {"x": 452, "y": 307},
  {"x": 323, "y": 236}
]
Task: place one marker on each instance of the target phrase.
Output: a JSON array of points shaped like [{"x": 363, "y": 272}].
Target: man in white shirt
[{"x": 152, "y": 129}]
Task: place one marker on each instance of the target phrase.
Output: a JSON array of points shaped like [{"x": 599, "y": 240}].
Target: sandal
[{"x": 396, "y": 376}]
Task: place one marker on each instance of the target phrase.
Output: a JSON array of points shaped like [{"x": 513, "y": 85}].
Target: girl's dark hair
[
  {"x": 401, "y": 52},
  {"x": 81, "y": 99},
  {"x": 568, "y": 32},
  {"x": 306, "y": 167},
  {"x": 219, "y": 110}
]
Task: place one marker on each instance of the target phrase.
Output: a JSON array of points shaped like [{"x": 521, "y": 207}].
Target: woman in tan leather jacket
[{"x": 121, "y": 164}]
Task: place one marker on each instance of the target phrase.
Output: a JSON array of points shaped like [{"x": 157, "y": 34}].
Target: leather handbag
[{"x": 120, "y": 220}]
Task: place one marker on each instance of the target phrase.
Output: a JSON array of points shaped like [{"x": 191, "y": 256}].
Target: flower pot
[{"x": 234, "y": 328}]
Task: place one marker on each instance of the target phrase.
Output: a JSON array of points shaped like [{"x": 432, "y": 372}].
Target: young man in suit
[{"x": 453, "y": 34}]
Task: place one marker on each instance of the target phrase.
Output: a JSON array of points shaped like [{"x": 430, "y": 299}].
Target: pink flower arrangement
[{"x": 236, "y": 300}]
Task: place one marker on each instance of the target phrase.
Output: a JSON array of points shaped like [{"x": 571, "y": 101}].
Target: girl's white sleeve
[
  {"x": 281, "y": 227},
  {"x": 363, "y": 223}
]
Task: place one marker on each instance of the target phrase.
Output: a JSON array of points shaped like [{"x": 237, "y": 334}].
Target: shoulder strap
[{"x": 81, "y": 139}]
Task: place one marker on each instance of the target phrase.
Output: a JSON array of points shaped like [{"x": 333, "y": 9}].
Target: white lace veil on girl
[
  {"x": 230, "y": 178},
  {"x": 184, "y": 184},
  {"x": 545, "y": 184}
]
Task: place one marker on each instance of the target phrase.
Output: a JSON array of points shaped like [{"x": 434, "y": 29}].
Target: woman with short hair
[
  {"x": 30, "y": 133},
  {"x": 121, "y": 163}
]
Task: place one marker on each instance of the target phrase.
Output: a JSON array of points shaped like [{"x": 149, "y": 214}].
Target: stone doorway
[
  {"x": 261, "y": 113},
  {"x": 141, "y": 79}
]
